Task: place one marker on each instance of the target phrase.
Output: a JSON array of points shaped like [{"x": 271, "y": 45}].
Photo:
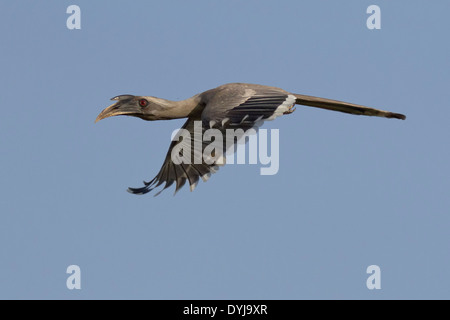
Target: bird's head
[{"x": 129, "y": 105}]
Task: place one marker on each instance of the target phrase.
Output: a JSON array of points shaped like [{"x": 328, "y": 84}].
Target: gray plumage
[{"x": 234, "y": 105}]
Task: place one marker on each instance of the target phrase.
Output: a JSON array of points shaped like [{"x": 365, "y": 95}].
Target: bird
[{"x": 234, "y": 105}]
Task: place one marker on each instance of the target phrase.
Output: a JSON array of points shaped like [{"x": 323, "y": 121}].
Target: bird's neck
[{"x": 168, "y": 109}]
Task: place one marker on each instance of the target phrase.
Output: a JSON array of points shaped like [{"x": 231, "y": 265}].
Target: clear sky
[{"x": 351, "y": 191}]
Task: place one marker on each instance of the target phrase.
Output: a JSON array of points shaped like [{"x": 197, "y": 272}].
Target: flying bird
[{"x": 234, "y": 105}]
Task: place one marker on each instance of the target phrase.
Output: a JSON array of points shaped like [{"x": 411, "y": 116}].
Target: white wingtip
[
  {"x": 206, "y": 177},
  {"x": 193, "y": 186}
]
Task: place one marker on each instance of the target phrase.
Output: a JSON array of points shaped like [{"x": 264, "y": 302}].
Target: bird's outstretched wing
[
  {"x": 244, "y": 109},
  {"x": 246, "y": 106},
  {"x": 179, "y": 172}
]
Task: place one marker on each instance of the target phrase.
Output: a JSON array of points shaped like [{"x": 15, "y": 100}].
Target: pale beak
[{"x": 121, "y": 107}]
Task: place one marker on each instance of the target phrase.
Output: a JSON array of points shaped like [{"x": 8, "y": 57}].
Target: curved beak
[{"x": 121, "y": 107}]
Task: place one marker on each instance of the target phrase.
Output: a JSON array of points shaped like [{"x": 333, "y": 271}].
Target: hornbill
[{"x": 233, "y": 105}]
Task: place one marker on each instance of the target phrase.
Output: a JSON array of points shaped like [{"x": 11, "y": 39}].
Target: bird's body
[{"x": 234, "y": 105}]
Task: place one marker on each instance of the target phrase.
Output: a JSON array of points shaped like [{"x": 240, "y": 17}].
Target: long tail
[{"x": 346, "y": 107}]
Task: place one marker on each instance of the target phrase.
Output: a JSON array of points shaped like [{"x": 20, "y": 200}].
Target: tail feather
[{"x": 346, "y": 107}]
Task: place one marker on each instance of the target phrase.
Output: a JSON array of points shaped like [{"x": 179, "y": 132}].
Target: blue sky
[{"x": 351, "y": 191}]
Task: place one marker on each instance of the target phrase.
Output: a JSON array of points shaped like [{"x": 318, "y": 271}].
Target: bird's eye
[{"x": 143, "y": 102}]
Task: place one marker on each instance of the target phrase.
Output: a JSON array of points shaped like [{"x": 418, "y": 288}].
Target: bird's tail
[{"x": 346, "y": 107}]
